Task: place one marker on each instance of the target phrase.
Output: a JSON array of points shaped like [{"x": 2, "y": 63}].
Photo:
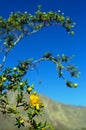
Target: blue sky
[{"x": 56, "y": 40}]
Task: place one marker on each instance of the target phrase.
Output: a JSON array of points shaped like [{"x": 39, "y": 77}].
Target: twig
[{"x": 7, "y": 51}]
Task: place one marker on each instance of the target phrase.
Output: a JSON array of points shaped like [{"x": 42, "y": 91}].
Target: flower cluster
[{"x": 35, "y": 101}]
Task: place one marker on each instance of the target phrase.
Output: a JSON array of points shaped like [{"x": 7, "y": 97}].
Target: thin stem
[
  {"x": 3, "y": 61},
  {"x": 7, "y": 51},
  {"x": 20, "y": 37},
  {"x": 42, "y": 59},
  {"x": 34, "y": 31}
]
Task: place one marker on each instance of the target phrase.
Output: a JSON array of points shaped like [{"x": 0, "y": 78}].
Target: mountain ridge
[{"x": 61, "y": 116}]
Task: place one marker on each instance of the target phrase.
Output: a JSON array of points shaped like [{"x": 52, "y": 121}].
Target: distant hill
[{"x": 62, "y": 116}]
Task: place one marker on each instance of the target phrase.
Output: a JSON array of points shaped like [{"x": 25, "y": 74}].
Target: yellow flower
[
  {"x": 29, "y": 89},
  {"x": 21, "y": 84},
  {"x": 35, "y": 101},
  {"x": 75, "y": 85},
  {"x": 15, "y": 69},
  {"x": 37, "y": 106},
  {"x": 0, "y": 84},
  {"x": 43, "y": 128},
  {"x": 4, "y": 78},
  {"x": 21, "y": 120}
]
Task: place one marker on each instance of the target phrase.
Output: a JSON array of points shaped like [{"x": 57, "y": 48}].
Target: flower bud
[
  {"x": 75, "y": 85},
  {"x": 4, "y": 78},
  {"x": 29, "y": 89},
  {"x": 21, "y": 84},
  {"x": 15, "y": 69}
]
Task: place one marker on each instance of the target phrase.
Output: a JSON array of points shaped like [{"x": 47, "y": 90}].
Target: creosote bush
[{"x": 12, "y": 30}]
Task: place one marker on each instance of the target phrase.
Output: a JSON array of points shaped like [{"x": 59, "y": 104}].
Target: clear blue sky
[{"x": 56, "y": 40}]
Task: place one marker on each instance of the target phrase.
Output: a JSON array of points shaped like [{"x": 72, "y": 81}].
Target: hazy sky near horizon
[{"x": 56, "y": 40}]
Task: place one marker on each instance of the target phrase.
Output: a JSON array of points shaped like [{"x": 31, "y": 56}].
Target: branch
[
  {"x": 3, "y": 61},
  {"x": 7, "y": 51},
  {"x": 18, "y": 21},
  {"x": 20, "y": 37},
  {"x": 34, "y": 31},
  {"x": 59, "y": 67}
]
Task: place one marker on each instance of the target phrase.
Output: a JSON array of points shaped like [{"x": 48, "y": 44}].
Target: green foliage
[
  {"x": 60, "y": 66},
  {"x": 19, "y": 122},
  {"x": 23, "y": 24}
]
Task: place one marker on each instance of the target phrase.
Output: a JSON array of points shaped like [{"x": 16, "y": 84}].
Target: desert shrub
[{"x": 12, "y": 30}]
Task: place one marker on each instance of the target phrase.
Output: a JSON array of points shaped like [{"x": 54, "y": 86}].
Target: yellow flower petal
[
  {"x": 22, "y": 121},
  {"x": 35, "y": 101},
  {"x": 37, "y": 106}
]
